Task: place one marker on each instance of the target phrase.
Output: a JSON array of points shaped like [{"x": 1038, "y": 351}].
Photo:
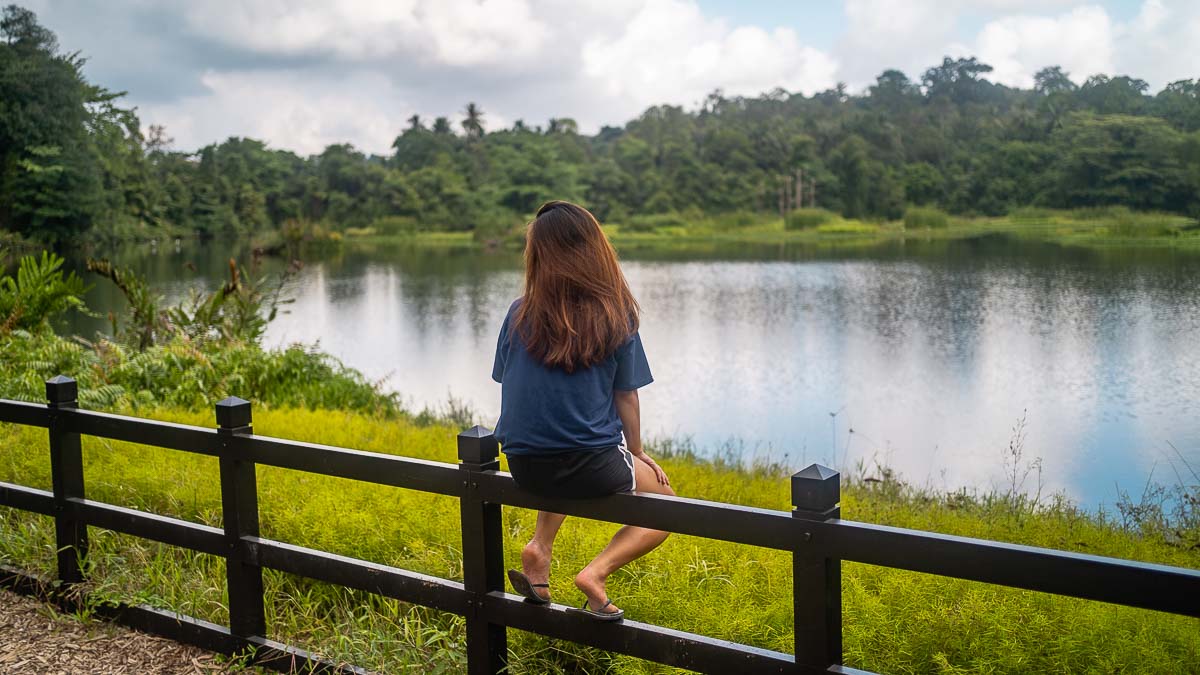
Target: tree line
[{"x": 75, "y": 163}]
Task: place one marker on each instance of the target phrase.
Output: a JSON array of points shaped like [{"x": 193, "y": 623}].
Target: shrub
[
  {"x": 632, "y": 226},
  {"x": 10, "y": 241},
  {"x": 925, "y": 217},
  {"x": 189, "y": 356},
  {"x": 1031, "y": 214},
  {"x": 395, "y": 225},
  {"x": 1120, "y": 221},
  {"x": 237, "y": 311},
  {"x": 144, "y": 321},
  {"x": 38, "y": 293},
  {"x": 184, "y": 373},
  {"x": 803, "y": 219},
  {"x": 848, "y": 227},
  {"x": 1098, "y": 213},
  {"x": 733, "y": 220},
  {"x": 498, "y": 232},
  {"x": 307, "y": 236},
  {"x": 650, "y": 222},
  {"x": 1131, "y": 224}
]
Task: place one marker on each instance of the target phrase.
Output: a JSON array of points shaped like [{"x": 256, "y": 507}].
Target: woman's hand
[{"x": 658, "y": 472}]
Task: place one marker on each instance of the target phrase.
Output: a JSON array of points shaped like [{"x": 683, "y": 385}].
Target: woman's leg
[
  {"x": 535, "y": 557},
  {"x": 629, "y": 543}
]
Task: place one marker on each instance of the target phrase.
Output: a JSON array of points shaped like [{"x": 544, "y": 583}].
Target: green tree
[
  {"x": 50, "y": 183},
  {"x": 1137, "y": 162},
  {"x": 473, "y": 121},
  {"x": 1179, "y": 104},
  {"x": 1113, "y": 95},
  {"x": 74, "y": 162},
  {"x": 958, "y": 80}
]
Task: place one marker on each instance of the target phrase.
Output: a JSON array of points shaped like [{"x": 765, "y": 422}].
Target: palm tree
[
  {"x": 414, "y": 123},
  {"x": 473, "y": 124},
  {"x": 441, "y": 125},
  {"x": 562, "y": 125}
]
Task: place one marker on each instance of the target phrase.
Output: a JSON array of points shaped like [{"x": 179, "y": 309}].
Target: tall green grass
[
  {"x": 692, "y": 230},
  {"x": 652, "y": 222},
  {"x": 894, "y": 621},
  {"x": 925, "y": 217},
  {"x": 807, "y": 218},
  {"x": 1121, "y": 222},
  {"x": 1107, "y": 222}
]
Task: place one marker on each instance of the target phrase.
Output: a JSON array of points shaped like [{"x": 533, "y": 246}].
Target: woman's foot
[
  {"x": 535, "y": 562},
  {"x": 592, "y": 585}
]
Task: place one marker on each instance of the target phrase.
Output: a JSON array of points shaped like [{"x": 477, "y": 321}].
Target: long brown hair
[{"x": 578, "y": 307}]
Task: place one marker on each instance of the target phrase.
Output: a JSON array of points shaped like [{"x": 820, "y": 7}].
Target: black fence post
[
  {"x": 816, "y": 579},
  {"x": 483, "y": 553},
  {"x": 239, "y": 507},
  {"x": 66, "y": 476}
]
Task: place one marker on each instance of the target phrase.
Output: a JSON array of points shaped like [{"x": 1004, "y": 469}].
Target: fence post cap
[
  {"x": 61, "y": 389},
  {"x": 816, "y": 488},
  {"x": 233, "y": 412},
  {"x": 477, "y": 445},
  {"x": 815, "y": 472}
]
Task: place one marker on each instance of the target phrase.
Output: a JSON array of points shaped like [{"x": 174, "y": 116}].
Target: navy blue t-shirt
[{"x": 546, "y": 410}]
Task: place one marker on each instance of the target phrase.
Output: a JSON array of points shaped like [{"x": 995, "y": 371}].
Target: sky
[{"x": 302, "y": 74}]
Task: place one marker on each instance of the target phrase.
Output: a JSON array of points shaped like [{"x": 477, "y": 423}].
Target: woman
[{"x": 570, "y": 361}]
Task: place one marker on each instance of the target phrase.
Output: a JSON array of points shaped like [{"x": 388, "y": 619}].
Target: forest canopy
[{"x": 75, "y": 163}]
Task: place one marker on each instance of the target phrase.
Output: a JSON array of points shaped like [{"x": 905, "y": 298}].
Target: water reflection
[{"x": 921, "y": 356}]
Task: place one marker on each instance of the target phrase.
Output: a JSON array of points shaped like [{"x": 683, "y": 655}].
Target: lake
[{"x": 923, "y": 357}]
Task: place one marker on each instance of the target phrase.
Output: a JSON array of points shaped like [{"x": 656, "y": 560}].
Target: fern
[
  {"x": 105, "y": 396},
  {"x": 38, "y": 293}
]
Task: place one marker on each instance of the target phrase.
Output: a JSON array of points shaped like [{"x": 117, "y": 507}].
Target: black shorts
[{"x": 575, "y": 473}]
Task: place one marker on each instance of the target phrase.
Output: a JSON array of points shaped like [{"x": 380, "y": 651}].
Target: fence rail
[{"x": 813, "y": 532}]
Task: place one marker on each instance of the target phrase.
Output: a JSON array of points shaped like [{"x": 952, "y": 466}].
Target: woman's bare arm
[{"x": 629, "y": 408}]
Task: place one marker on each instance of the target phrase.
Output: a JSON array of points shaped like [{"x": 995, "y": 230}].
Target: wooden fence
[{"x": 813, "y": 532}]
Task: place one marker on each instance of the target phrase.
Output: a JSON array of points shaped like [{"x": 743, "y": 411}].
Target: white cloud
[
  {"x": 303, "y": 73},
  {"x": 882, "y": 34},
  {"x": 599, "y": 61},
  {"x": 1151, "y": 17},
  {"x": 1012, "y": 5},
  {"x": 454, "y": 32},
  {"x": 1019, "y": 37},
  {"x": 1081, "y": 41},
  {"x": 289, "y": 110},
  {"x": 670, "y": 52},
  {"x": 1160, "y": 45}
]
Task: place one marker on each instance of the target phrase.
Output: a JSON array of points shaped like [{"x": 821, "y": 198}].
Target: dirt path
[{"x": 36, "y": 639}]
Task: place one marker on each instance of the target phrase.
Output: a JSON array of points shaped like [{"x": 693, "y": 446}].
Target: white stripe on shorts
[{"x": 628, "y": 457}]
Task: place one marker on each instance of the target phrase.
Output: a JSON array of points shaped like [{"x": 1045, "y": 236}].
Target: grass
[
  {"x": 807, "y": 226},
  {"x": 1093, "y": 227},
  {"x": 894, "y": 621},
  {"x": 431, "y": 239},
  {"x": 1110, "y": 225},
  {"x": 802, "y": 219},
  {"x": 925, "y": 217}
]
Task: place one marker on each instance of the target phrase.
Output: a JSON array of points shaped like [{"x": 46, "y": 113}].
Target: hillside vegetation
[{"x": 76, "y": 164}]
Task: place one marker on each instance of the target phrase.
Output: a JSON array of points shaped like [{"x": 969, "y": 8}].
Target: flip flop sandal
[
  {"x": 598, "y": 614},
  {"x": 525, "y": 587}
]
